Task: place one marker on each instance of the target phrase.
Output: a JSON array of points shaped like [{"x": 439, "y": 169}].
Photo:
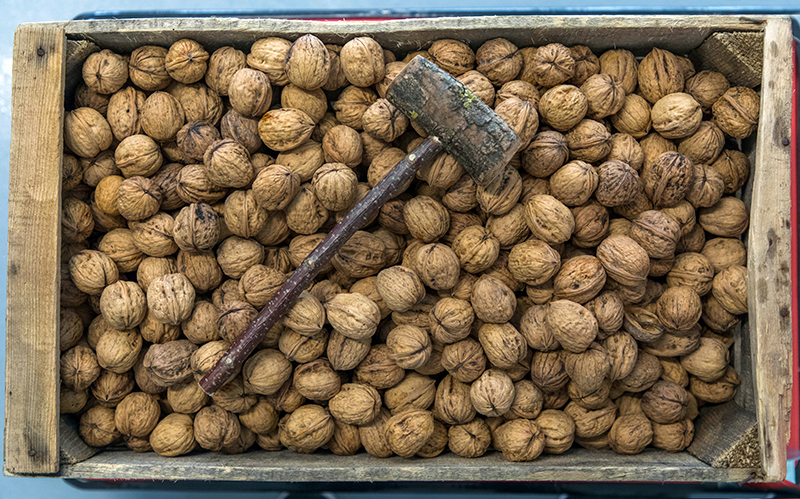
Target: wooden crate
[{"x": 744, "y": 440}]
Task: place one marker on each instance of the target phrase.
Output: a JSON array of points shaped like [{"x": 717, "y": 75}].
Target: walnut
[
  {"x": 173, "y": 435},
  {"x": 97, "y": 426},
  {"x": 409, "y": 430},
  {"x": 559, "y": 430},
  {"x": 153, "y": 236},
  {"x": 624, "y": 148},
  {"x": 471, "y": 439},
  {"x": 548, "y": 219},
  {"x": 266, "y": 371},
  {"x": 335, "y": 186},
  {"x": 521, "y": 116},
  {"x": 409, "y": 346},
  {"x": 302, "y": 348},
  {"x": 72, "y": 401},
  {"x": 476, "y": 248},
  {"x": 415, "y": 390},
  {"x": 436, "y": 443},
  {"x": 708, "y": 362},
  {"x": 630, "y": 434},
  {"x": 618, "y": 184},
  {"x": 520, "y": 440},
  {"x": 665, "y": 402},
  {"x": 79, "y": 368},
  {"x": 285, "y": 129},
  {"x": 161, "y": 116},
  {"x": 588, "y": 369},
  {"x": 673, "y": 437},
  {"x": 622, "y": 65},
  {"x": 86, "y": 97},
  {"x": 169, "y": 363},
  {"x": 704, "y": 145},
  {"x": 591, "y": 423},
  {"x": 70, "y": 328},
  {"x": 452, "y": 56},
  {"x": 170, "y": 298},
  {"x": 186, "y": 61},
  {"x": 355, "y": 404},
  {"x": 660, "y": 74},
  {"x": 674, "y": 343},
  {"x": 312, "y": 102},
  {"x": 642, "y": 324},
  {"x": 492, "y": 300},
  {"x": 676, "y": 116},
  {"x": 138, "y": 198},
  {"x": 728, "y": 218},
  {"x": 736, "y": 112},
  {"x": 250, "y": 92},
  {"x": 268, "y": 55},
  {"x": 197, "y": 228},
  {"x": 499, "y": 60},
  {"x": 117, "y": 351},
  {"x": 706, "y": 187},
  {"x": 604, "y": 94},
  {"x": 86, "y": 132},
  {"x": 228, "y": 164},
  {"x": 563, "y": 107},
  {"x": 222, "y": 65},
  {"x": 503, "y": 344},
  {"x": 679, "y": 308},
  {"x": 400, "y": 288},
  {"x": 199, "y": 102},
  {"x": 307, "y": 315},
  {"x": 451, "y": 319},
  {"x": 574, "y": 183},
  {"x": 734, "y": 166},
  {"x": 194, "y": 186},
  {"x": 464, "y": 360},
  {"x": 201, "y": 269},
  {"x": 552, "y": 64},
  {"x": 316, "y": 380},
  {"x": 379, "y": 368},
  {"x": 307, "y": 63},
  {"x": 147, "y": 67},
  {"x": 426, "y": 219},
  {"x": 729, "y": 287},
  {"x": 668, "y": 179},
  {"x": 352, "y": 103},
  {"x": 492, "y": 394},
  {"x": 373, "y": 435},
  {"x": 362, "y": 61},
  {"x": 707, "y": 87},
  {"x": 533, "y": 262},
  {"x": 520, "y": 90},
  {"x": 633, "y": 117},
  {"x": 91, "y": 271},
  {"x": 306, "y": 429},
  {"x": 718, "y": 391},
  {"x": 241, "y": 129},
  {"x": 270, "y": 441},
  {"x": 235, "y": 255},
  {"x": 124, "y": 112},
  {"x": 186, "y": 397},
  {"x": 645, "y": 373},
  {"x": 137, "y": 415},
  {"x": 452, "y": 402},
  {"x": 656, "y": 232},
  {"x": 123, "y": 305},
  {"x": 622, "y": 353},
  {"x": 243, "y": 216},
  {"x": 624, "y": 260}
]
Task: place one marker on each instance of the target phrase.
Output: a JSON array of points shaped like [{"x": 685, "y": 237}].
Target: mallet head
[{"x": 480, "y": 140}]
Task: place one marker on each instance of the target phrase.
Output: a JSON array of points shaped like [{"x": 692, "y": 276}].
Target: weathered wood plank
[
  {"x": 32, "y": 293},
  {"x": 769, "y": 283},
  {"x": 575, "y": 465},
  {"x": 739, "y": 56},
  {"x": 73, "y": 449},
  {"x": 726, "y": 436},
  {"x": 676, "y": 33}
]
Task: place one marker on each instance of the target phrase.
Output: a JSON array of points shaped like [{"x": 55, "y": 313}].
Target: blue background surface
[{"x": 20, "y": 11}]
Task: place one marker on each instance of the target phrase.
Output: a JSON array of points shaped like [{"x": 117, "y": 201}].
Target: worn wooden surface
[
  {"x": 72, "y": 448},
  {"x": 575, "y": 465},
  {"x": 739, "y": 56},
  {"x": 726, "y": 436},
  {"x": 769, "y": 279},
  {"x": 676, "y": 33},
  {"x": 77, "y": 52},
  {"x": 32, "y": 293}
]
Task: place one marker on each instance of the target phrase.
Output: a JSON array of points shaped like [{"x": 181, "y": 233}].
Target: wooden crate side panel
[
  {"x": 769, "y": 253},
  {"x": 677, "y": 33},
  {"x": 575, "y": 465},
  {"x": 32, "y": 377}
]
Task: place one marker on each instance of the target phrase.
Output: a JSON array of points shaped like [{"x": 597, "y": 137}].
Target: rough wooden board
[
  {"x": 32, "y": 293},
  {"x": 77, "y": 52},
  {"x": 769, "y": 283},
  {"x": 739, "y": 56},
  {"x": 575, "y": 465},
  {"x": 726, "y": 436},
  {"x": 676, "y": 33},
  {"x": 73, "y": 449}
]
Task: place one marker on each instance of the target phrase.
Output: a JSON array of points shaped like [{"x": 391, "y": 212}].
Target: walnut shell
[
  {"x": 734, "y": 166},
  {"x": 86, "y": 132},
  {"x": 660, "y": 74},
  {"x": 268, "y": 55},
  {"x": 400, "y": 288},
  {"x": 572, "y": 325},
  {"x": 214, "y": 428},
  {"x": 604, "y": 94},
  {"x": 668, "y": 179},
  {"x": 362, "y": 61},
  {"x": 123, "y": 305},
  {"x": 630, "y": 434},
  {"x": 574, "y": 183},
  {"x": 634, "y": 117},
  {"x": 186, "y": 61},
  {"x": 716, "y": 392},
  {"x": 676, "y": 116},
  {"x": 492, "y": 300},
  {"x": 559, "y": 430},
  {"x": 464, "y": 360},
  {"x": 621, "y": 64},
  {"x": 222, "y": 65},
  {"x": 306, "y": 429},
  {"x": 452, "y": 56},
  {"x": 409, "y": 430},
  {"x": 563, "y": 107},
  {"x": 147, "y": 68},
  {"x": 499, "y": 60},
  {"x": 492, "y": 394},
  {"x": 624, "y": 260},
  {"x": 307, "y": 63},
  {"x": 644, "y": 374},
  {"x": 552, "y": 64},
  {"x": 161, "y": 116},
  {"x": 520, "y": 440},
  {"x": 548, "y": 219},
  {"x": 730, "y": 217},
  {"x": 250, "y": 92},
  {"x": 665, "y": 402},
  {"x": 170, "y": 363},
  {"x": 316, "y": 380},
  {"x": 533, "y": 262},
  {"x": 378, "y": 369},
  {"x": 737, "y": 111},
  {"x": 355, "y": 404}
]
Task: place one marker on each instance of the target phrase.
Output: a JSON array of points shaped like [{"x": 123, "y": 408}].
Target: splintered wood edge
[
  {"x": 34, "y": 241},
  {"x": 769, "y": 283},
  {"x": 726, "y": 436}
]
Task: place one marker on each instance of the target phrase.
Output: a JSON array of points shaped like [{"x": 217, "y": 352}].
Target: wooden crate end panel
[{"x": 32, "y": 378}]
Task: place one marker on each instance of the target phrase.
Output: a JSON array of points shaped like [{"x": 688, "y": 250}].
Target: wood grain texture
[
  {"x": 739, "y": 56},
  {"x": 77, "y": 52},
  {"x": 726, "y": 436},
  {"x": 676, "y": 33},
  {"x": 32, "y": 315},
  {"x": 769, "y": 279},
  {"x": 73, "y": 449},
  {"x": 575, "y": 465}
]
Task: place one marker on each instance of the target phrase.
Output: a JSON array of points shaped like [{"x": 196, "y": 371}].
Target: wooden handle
[{"x": 232, "y": 361}]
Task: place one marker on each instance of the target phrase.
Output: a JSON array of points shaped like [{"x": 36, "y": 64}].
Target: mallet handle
[{"x": 230, "y": 363}]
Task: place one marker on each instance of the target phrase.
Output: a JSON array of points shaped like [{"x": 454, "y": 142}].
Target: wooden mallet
[{"x": 456, "y": 121}]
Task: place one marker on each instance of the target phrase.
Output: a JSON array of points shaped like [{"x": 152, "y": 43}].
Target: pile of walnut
[{"x": 587, "y": 296}]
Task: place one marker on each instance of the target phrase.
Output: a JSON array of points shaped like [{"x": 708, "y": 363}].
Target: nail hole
[
  {"x": 785, "y": 141},
  {"x": 40, "y": 52},
  {"x": 784, "y": 312}
]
